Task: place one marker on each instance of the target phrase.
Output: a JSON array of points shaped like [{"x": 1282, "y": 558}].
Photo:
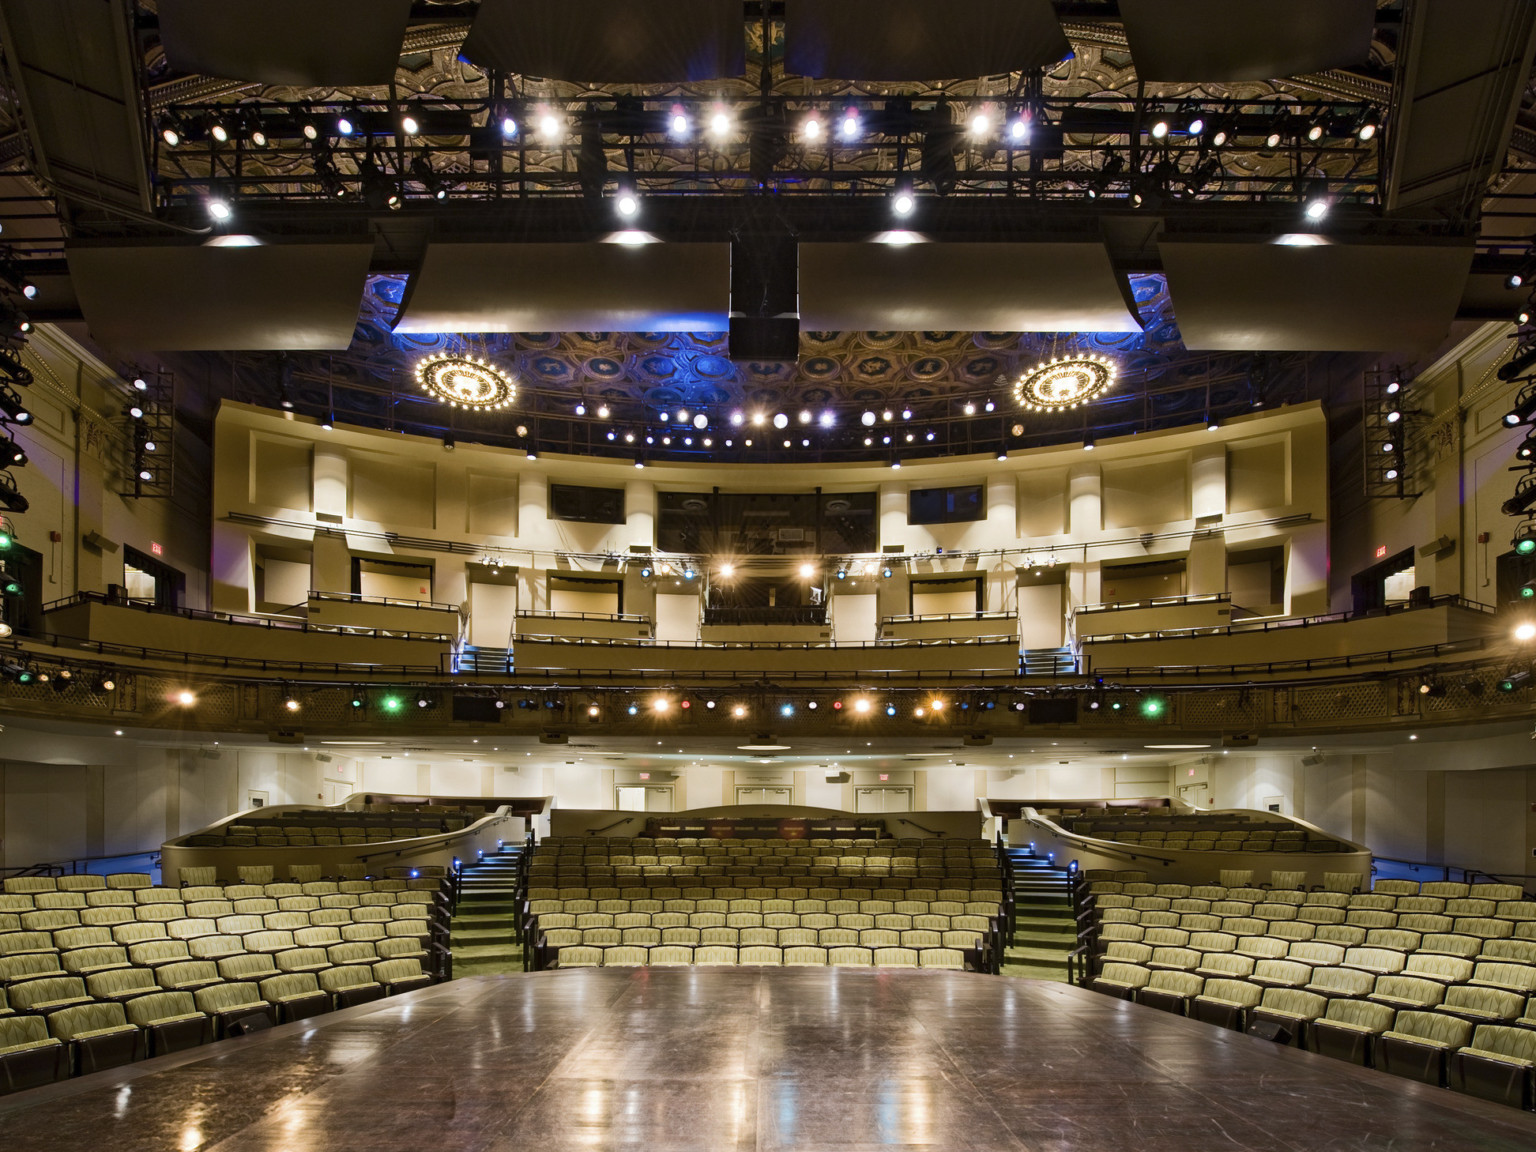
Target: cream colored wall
[
  {"x": 1459, "y": 453},
  {"x": 1044, "y": 503},
  {"x": 78, "y": 451}
]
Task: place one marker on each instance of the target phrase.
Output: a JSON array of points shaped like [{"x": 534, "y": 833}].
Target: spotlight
[
  {"x": 423, "y": 701},
  {"x": 185, "y": 698},
  {"x": 103, "y": 684},
  {"x": 661, "y": 704},
  {"x": 1370, "y": 123},
  {"x": 1524, "y": 542},
  {"x": 720, "y": 124},
  {"x": 170, "y": 135},
  {"x": 508, "y": 126},
  {"x": 786, "y": 709},
  {"x": 1153, "y": 707},
  {"x": 868, "y": 419},
  {"x": 903, "y": 203},
  {"x": 358, "y": 701},
  {"x": 1516, "y": 680},
  {"x": 11, "y": 407},
  {"x": 344, "y": 126},
  {"x": 392, "y": 703},
  {"x": 1196, "y": 125},
  {"x": 850, "y": 127},
  {"x": 981, "y": 125},
  {"x": 409, "y": 125},
  {"x": 1316, "y": 209},
  {"x": 551, "y": 127},
  {"x": 1526, "y": 631},
  {"x": 727, "y": 571},
  {"x": 627, "y": 204},
  {"x": 805, "y": 417},
  {"x": 1018, "y": 129},
  {"x": 12, "y": 455},
  {"x": 739, "y": 711},
  {"x": 861, "y": 706},
  {"x": 1524, "y": 409},
  {"x": 811, "y": 128},
  {"x": 292, "y": 704},
  {"x": 780, "y": 420},
  {"x": 890, "y": 709},
  {"x": 807, "y": 571},
  {"x": 1159, "y": 129},
  {"x": 679, "y": 124}
]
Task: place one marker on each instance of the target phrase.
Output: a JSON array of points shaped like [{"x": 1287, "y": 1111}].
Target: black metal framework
[
  {"x": 1384, "y": 427},
  {"x": 149, "y": 416},
  {"x": 1144, "y": 151}
]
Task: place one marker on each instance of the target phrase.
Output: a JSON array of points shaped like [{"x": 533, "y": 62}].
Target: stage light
[
  {"x": 1370, "y": 122},
  {"x": 661, "y": 704},
  {"x": 392, "y": 703},
  {"x": 1196, "y": 124},
  {"x": 868, "y": 419},
  {"x": 344, "y": 126},
  {"x": 720, "y": 123},
  {"x": 903, "y": 203},
  {"x": 551, "y": 127},
  {"x": 1528, "y": 590},
  {"x": 1153, "y": 706},
  {"x": 981, "y": 125},
  {"x": 508, "y": 126},
  {"x": 1515, "y": 280},
  {"x": 409, "y": 125},
  {"x": 185, "y": 698},
  {"x": 1522, "y": 501},
  {"x": 1526, "y": 631},
  {"x": 358, "y": 701},
  {"x": 805, "y": 416},
  {"x": 1516, "y": 680},
  {"x": 807, "y": 571},
  {"x": 219, "y": 210},
  {"x": 1316, "y": 209},
  {"x": 850, "y": 126},
  {"x": 780, "y": 420},
  {"x": 890, "y": 709},
  {"x": 1394, "y": 416},
  {"x": 1159, "y": 129},
  {"x": 679, "y": 124},
  {"x": 811, "y": 128},
  {"x": 258, "y": 137},
  {"x": 103, "y": 684},
  {"x": 786, "y": 709},
  {"x": 812, "y": 705},
  {"x": 1392, "y": 474},
  {"x": 1315, "y": 131},
  {"x": 861, "y": 706},
  {"x": 12, "y": 455},
  {"x": 1524, "y": 542},
  {"x": 292, "y": 704},
  {"x": 170, "y": 136},
  {"x": 146, "y": 474},
  {"x": 739, "y": 711},
  {"x": 727, "y": 571},
  {"x": 1527, "y": 449},
  {"x": 11, "y": 407},
  {"x": 627, "y": 204},
  {"x": 1524, "y": 409}
]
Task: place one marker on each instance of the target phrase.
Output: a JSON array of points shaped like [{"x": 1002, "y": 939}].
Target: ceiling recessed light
[{"x": 1175, "y": 746}]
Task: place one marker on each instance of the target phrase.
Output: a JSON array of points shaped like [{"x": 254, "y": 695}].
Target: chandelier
[
  {"x": 1065, "y": 383},
  {"x": 466, "y": 382}
]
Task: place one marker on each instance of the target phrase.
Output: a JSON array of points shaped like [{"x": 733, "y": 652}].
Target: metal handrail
[
  {"x": 390, "y": 601},
  {"x": 1103, "y": 847},
  {"x": 1389, "y": 656},
  {"x": 72, "y": 867},
  {"x": 277, "y": 623},
  {"x": 1270, "y": 624},
  {"x": 771, "y": 645},
  {"x": 612, "y": 617},
  {"x": 1152, "y": 602},
  {"x": 919, "y": 617}
]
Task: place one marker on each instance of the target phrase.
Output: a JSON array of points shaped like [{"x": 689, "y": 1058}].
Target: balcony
[
  {"x": 584, "y": 625},
  {"x": 995, "y": 626}
]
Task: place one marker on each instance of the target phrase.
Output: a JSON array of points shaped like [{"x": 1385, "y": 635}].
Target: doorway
[
  {"x": 148, "y": 580},
  {"x": 643, "y": 797},
  {"x": 1382, "y": 583},
  {"x": 882, "y": 800},
  {"x": 758, "y": 794}
]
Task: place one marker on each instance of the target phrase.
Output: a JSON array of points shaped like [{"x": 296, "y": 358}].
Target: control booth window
[
  {"x": 946, "y": 505},
  {"x": 949, "y": 596},
  {"x": 586, "y": 505},
  {"x": 603, "y": 596}
]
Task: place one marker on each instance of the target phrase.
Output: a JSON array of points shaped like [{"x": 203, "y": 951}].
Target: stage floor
[{"x": 750, "y": 1058}]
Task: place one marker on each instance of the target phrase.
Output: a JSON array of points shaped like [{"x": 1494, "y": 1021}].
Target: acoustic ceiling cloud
[
  {"x": 1362, "y": 297},
  {"x": 570, "y": 287},
  {"x": 610, "y": 41},
  {"x": 186, "y": 298},
  {"x": 311, "y": 43},
  {"x": 966, "y": 287},
  {"x": 920, "y": 39},
  {"x": 1193, "y": 41}
]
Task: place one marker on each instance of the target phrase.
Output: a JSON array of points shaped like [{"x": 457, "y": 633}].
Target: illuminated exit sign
[
  {"x": 156, "y": 549},
  {"x": 1381, "y": 553}
]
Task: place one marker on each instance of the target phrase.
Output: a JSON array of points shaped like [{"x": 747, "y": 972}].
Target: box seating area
[
  {"x": 841, "y": 902},
  {"x": 1224, "y": 833},
  {"x": 324, "y": 827},
  {"x": 1434, "y": 981},
  {"x": 100, "y": 971}
]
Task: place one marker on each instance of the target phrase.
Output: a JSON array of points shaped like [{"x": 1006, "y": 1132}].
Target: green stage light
[
  {"x": 6, "y": 539},
  {"x": 392, "y": 703},
  {"x": 1153, "y": 707}
]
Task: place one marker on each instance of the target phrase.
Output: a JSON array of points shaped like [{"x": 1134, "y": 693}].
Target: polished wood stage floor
[{"x": 718, "y": 1058}]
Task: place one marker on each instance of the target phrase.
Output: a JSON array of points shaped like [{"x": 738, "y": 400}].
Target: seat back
[
  {"x": 1294, "y": 1002},
  {"x": 1376, "y": 1018},
  {"x": 1414, "y": 989},
  {"x": 1518, "y": 1043},
  {"x": 1234, "y": 991},
  {"x": 1496, "y": 1002},
  {"x": 1515, "y": 977},
  {"x": 1436, "y": 1027},
  {"x": 71, "y": 1022},
  {"x": 1341, "y": 981}
]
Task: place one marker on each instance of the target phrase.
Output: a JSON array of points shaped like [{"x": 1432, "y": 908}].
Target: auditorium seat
[
  {"x": 170, "y": 1020},
  {"x": 29, "y": 1057},
  {"x": 47, "y": 993},
  {"x": 1170, "y": 991},
  {"x": 1407, "y": 992},
  {"x": 121, "y": 984},
  {"x": 1226, "y": 1003},
  {"x": 98, "y": 1036},
  {"x": 805, "y": 955},
  {"x": 1418, "y": 1044},
  {"x": 1480, "y": 1005},
  {"x": 715, "y": 954},
  {"x": 352, "y": 985},
  {"x": 1445, "y": 969},
  {"x": 1498, "y": 1065},
  {"x": 1349, "y": 1029}
]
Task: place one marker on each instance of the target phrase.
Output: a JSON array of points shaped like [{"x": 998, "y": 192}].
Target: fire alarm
[
  {"x": 1482, "y": 537},
  {"x": 56, "y": 537}
]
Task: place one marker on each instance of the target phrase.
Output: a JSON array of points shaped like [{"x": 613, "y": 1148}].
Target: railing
[
  {"x": 1455, "y": 873},
  {"x": 74, "y": 867},
  {"x": 1310, "y": 664},
  {"x": 771, "y": 645},
  {"x": 941, "y": 617},
  {"x": 1275, "y": 625},
  {"x": 1102, "y": 847},
  {"x": 391, "y": 601},
  {"x": 172, "y": 656},
  {"x": 609, "y": 617},
  {"x": 273, "y": 623},
  {"x": 1153, "y": 602},
  {"x": 810, "y": 614}
]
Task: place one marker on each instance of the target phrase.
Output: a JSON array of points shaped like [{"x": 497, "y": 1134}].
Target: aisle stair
[
  {"x": 474, "y": 659},
  {"x": 484, "y": 926},
  {"x": 1049, "y": 662},
  {"x": 1044, "y": 928}
]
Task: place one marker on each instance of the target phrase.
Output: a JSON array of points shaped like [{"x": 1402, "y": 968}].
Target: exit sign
[
  {"x": 156, "y": 549},
  {"x": 1381, "y": 553}
]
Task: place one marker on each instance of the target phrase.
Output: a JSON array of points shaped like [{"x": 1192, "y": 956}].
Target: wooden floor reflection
[{"x": 719, "y": 1058}]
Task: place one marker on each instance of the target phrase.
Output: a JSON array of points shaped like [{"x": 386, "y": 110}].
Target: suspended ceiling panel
[
  {"x": 1191, "y": 41},
  {"x": 964, "y": 287},
  {"x": 72, "y": 65},
  {"x": 184, "y": 298},
  {"x": 577, "y": 287},
  {"x": 1233, "y": 296},
  {"x": 312, "y": 43},
  {"x": 920, "y": 39},
  {"x": 610, "y": 41}
]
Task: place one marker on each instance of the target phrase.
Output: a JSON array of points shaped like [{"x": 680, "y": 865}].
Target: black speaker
[
  {"x": 1269, "y": 1030},
  {"x": 476, "y": 709},
  {"x": 754, "y": 338}
]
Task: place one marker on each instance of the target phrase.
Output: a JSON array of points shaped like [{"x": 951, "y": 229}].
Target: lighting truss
[
  {"x": 149, "y": 420},
  {"x": 1384, "y": 431},
  {"x": 1079, "y": 148}
]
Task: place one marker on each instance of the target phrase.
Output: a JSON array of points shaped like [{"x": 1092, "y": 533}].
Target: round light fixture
[
  {"x": 1065, "y": 383},
  {"x": 466, "y": 382}
]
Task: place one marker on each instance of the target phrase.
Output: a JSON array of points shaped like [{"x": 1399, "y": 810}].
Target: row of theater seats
[
  {"x": 710, "y": 901},
  {"x": 1207, "y": 834},
  {"x": 1434, "y": 981},
  {"x": 99, "y": 971},
  {"x": 324, "y": 828}
]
